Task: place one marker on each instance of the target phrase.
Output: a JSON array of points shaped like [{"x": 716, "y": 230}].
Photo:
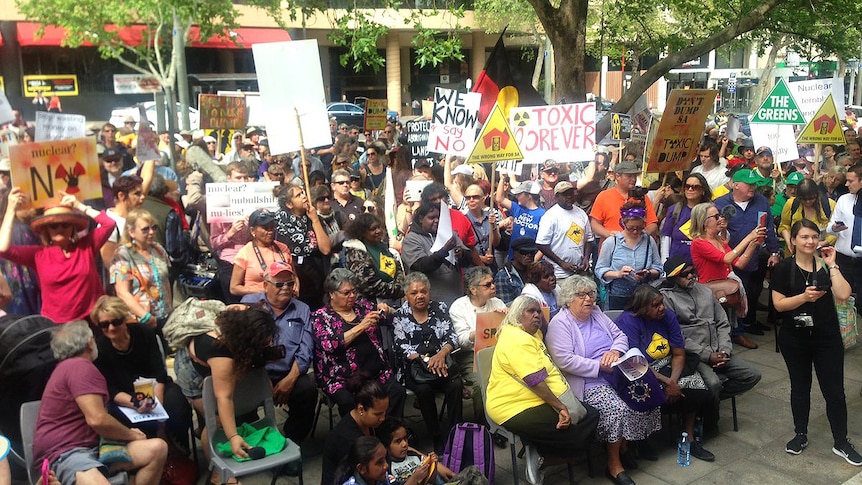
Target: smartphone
[
  {"x": 839, "y": 223},
  {"x": 45, "y": 471}
]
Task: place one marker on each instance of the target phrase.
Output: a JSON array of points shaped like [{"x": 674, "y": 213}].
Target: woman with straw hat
[{"x": 66, "y": 259}]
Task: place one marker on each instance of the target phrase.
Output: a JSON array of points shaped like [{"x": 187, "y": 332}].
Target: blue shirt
[
  {"x": 526, "y": 222},
  {"x": 745, "y": 221},
  {"x": 294, "y": 332},
  {"x": 615, "y": 253}
]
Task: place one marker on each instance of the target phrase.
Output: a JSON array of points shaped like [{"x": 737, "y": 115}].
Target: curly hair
[
  {"x": 357, "y": 228},
  {"x": 537, "y": 271},
  {"x": 126, "y": 184},
  {"x": 517, "y": 309},
  {"x": 569, "y": 286},
  {"x": 425, "y": 209},
  {"x": 245, "y": 333}
]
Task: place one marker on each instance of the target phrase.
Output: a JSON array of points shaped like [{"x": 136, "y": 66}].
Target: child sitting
[
  {"x": 365, "y": 464},
  {"x": 407, "y": 465}
]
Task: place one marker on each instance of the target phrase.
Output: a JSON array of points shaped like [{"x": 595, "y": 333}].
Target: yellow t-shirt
[
  {"x": 719, "y": 191},
  {"x": 519, "y": 354},
  {"x": 788, "y": 218}
]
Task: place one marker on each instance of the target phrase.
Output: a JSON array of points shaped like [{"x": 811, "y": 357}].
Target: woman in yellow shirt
[{"x": 810, "y": 204}]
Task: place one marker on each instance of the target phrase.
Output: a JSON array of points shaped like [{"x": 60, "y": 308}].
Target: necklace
[{"x": 809, "y": 276}]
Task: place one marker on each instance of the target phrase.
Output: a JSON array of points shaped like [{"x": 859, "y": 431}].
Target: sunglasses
[
  {"x": 117, "y": 322},
  {"x": 59, "y": 225},
  {"x": 341, "y": 182},
  {"x": 473, "y": 197},
  {"x": 149, "y": 229},
  {"x": 552, "y": 171},
  {"x": 282, "y": 284},
  {"x": 368, "y": 208},
  {"x": 634, "y": 228},
  {"x": 322, "y": 198},
  {"x": 486, "y": 285},
  {"x": 527, "y": 253},
  {"x": 693, "y": 187},
  {"x": 714, "y": 216}
]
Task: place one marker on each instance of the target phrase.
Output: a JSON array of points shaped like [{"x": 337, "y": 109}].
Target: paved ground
[{"x": 755, "y": 454}]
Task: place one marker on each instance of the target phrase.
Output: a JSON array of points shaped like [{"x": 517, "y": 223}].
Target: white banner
[
  {"x": 6, "y": 114},
  {"x": 59, "y": 126},
  {"x": 779, "y": 138},
  {"x": 229, "y": 201},
  {"x": 564, "y": 133},
  {"x": 454, "y": 122},
  {"x": 290, "y": 80},
  {"x": 809, "y": 95},
  {"x": 136, "y": 84}
]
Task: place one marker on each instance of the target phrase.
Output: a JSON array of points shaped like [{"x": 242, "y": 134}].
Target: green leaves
[{"x": 359, "y": 33}]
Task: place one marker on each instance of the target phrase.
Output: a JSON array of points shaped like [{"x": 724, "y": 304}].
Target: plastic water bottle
[{"x": 683, "y": 455}]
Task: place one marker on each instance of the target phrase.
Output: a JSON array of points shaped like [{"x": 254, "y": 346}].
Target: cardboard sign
[
  {"x": 621, "y": 127},
  {"x": 496, "y": 142},
  {"x": 809, "y": 95},
  {"x": 678, "y": 136},
  {"x": 487, "y": 329},
  {"x": 641, "y": 116},
  {"x": 565, "y": 133},
  {"x": 6, "y": 114},
  {"x": 417, "y": 141},
  {"x": 375, "y": 114},
  {"x": 136, "y": 84},
  {"x": 147, "y": 147},
  {"x": 222, "y": 112},
  {"x": 454, "y": 122},
  {"x": 824, "y": 126},
  {"x": 59, "y": 126},
  {"x": 59, "y": 84},
  {"x": 285, "y": 91},
  {"x": 779, "y": 138},
  {"x": 7, "y": 139},
  {"x": 229, "y": 202},
  {"x": 779, "y": 107},
  {"x": 43, "y": 169}
]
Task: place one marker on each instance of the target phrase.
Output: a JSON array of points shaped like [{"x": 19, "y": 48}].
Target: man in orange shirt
[{"x": 605, "y": 214}]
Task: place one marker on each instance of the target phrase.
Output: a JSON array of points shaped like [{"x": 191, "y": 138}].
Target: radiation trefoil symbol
[{"x": 521, "y": 119}]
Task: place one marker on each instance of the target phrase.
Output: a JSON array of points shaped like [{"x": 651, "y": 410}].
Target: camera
[
  {"x": 638, "y": 192},
  {"x": 803, "y": 320}
]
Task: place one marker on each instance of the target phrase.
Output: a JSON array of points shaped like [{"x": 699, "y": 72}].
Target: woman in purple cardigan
[{"x": 584, "y": 343}]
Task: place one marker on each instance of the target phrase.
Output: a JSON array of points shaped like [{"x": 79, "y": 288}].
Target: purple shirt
[
  {"x": 651, "y": 336},
  {"x": 680, "y": 244}
]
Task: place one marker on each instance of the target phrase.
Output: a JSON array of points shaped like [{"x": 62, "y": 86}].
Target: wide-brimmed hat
[{"x": 59, "y": 214}]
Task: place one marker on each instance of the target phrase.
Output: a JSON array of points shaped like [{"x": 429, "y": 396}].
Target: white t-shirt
[
  {"x": 116, "y": 235},
  {"x": 715, "y": 177},
  {"x": 566, "y": 232},
  {"x": 462, "y": 312}
]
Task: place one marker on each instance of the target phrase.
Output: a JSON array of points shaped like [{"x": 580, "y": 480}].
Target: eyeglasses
[
  {"x": 583, "y": 295},
  {"x": 634, "y": 228},
  {"x": 527, "y": 253},
  {"x": 368, "y": 208},
  {"x": 282, "y": 284},
  {"x": 715, "y": 216},
  {"x": 322, "y": 198},
  {"x": 117, "y": 322},
  {"x": 486, "y": 285},
  {"x": 341, "y": 182},
  {"x": 473, "y": 197},
  {"x": 693, "y": 187},
  {"x": 149, "y": 229},
  {"x": 349, "y": 292}
]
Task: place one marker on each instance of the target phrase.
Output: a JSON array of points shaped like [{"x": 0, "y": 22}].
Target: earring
[{"x": 361, "y": 413}]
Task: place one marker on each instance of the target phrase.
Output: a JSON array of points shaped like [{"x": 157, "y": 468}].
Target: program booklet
[
  {"x": 145, "y": 390},
  {"x": 632, "y": 364}
]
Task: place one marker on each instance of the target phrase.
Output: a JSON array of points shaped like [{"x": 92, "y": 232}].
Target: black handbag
[{"x": 418, "y": 368}]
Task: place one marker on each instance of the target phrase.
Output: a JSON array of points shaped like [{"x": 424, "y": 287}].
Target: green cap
[
  {"x": 747, "y": 176},
  {"x": 794, "y": 178}
]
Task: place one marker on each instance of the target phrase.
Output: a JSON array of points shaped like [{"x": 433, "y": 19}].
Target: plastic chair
[
  {"x": 613, "y": 314},
  {"x": 321, "y": 400},
  {"x": 29, "y": 413},
  {"x": 252, "y": 391}
]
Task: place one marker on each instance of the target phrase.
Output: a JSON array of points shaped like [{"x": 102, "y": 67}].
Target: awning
[{"x": 244, "y": 36}]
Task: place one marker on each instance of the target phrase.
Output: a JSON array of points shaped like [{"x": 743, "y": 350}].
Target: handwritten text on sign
[
  {"x": 417, "y": 141},
  {"x": 676, "y": 141},
  {"x": 453, "y": 122},
  {"x": 566, "y": 133},
  {"x": 59, "y": 126},
  {"x": 43, "y": 169},
  {"x": 229, "y": 202},
  {"x": 222, "y": 112}
]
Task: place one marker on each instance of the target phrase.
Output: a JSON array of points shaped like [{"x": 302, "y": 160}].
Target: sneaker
[
  {"x": 797, "y": 444},
  {"x": 699, "y": 452},
  {"x": 849, "y": 453},
  {"x": 535, "y": 474}
]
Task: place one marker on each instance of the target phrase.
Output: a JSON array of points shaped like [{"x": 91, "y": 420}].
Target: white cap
[
  {"x": 463, "y": 169},
  {"x": 198, "y": 134},
  {"x": 527, "y": 186},
  {"x": 209, "y": 139}
]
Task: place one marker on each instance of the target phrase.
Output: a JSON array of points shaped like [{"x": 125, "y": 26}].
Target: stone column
[
  {"x": 393, "y": 73},
  {"x": 477, "y": 59}
]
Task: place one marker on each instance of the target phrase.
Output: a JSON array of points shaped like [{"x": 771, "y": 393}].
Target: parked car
[
  {"x": 347, "y": 113},
  {"x": 119, "y": 114}
]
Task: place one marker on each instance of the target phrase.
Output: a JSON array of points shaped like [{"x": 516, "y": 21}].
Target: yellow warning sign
[
  {"x": 824, "y": 126},
  {"x": 496, "y": 142}
]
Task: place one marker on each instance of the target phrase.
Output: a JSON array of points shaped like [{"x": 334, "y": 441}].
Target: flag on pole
[{"x": 497, "y": 84}]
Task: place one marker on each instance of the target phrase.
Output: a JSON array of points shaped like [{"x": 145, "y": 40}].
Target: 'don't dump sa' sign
[{"x": 222, "y": 112}]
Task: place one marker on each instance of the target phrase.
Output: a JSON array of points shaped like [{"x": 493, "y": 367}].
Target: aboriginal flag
[{"x": 496, "y": 76}]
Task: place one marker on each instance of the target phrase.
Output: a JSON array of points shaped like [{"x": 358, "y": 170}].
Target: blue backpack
[{"x": 470, "y": 444}]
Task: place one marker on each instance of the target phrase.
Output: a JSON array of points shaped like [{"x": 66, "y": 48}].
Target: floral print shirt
[
  {"x": 411, "y": 336},
  {"x": 334, "y": 362}
]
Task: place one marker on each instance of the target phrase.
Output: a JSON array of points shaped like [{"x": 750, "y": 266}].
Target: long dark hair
[
  {"x": 641, "y": 300},
  {"x": 361, "y": 452}
]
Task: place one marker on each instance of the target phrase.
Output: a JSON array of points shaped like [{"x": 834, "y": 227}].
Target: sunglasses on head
[{"x": 115, "y": 323}]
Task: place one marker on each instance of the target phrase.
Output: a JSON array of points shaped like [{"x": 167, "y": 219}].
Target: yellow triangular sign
[
  {"x": 824, "y": 127},
  {"x": 496, "y": 142}
]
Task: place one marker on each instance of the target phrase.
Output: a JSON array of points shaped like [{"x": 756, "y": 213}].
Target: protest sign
[
  {"x": 7, "y": 139},
  {"x": 59, "y": 126},
  {"x": 284, "y": 91},
  {"x": 229, "y": 202},
  {"x": 779, "y": 107},
  {"x": 375, "y": 114},
  {"x": 496, "y": 142},
  {"x": 43, "y": 169},
  {"x": 824, "y": 126},
  {"x": 810, "y": 94},
  {"x": 640, "y": 115},
  {"x": 6, "y": 114},
  {"x": 454, "y": 122},
  {"x": 147, "y": 147},
  {"x": 417, "y": 141},
  {"x": 678, "y": 135},
  {"x": 487, "y": 329},
  {"x": 222, "y": 112},
  {"x": 779, "y": 138},
  {"x": 136, "y": 84},
  {"x": 565, "y": 133}
]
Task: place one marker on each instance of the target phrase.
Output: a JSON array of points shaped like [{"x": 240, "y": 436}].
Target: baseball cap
[
  {"x": 277, "y": 268},
  {"x": 746, "y": 176},
  {"x": 562, "y": 187},
  {"x": 675, "y": 265},
  {"x": 626, "y": 167},
  {"x": 524, "y": 244},
  {"x": 111, "y": 154},
  {"x": 526, "y": 186},
  {"x": 764, "y": 151},
  {"x": 261, "y": 217},
  {"x": 209, "y": 139},
  {"x": 463, "y": 169},
  {"x": 550, "y": 165},
  {"x": 794, "y": 178}
]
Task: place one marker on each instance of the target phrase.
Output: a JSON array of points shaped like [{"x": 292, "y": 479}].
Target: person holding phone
[
  {"x": 804, "y": 290},
  {"x": 846, "y": 224}
]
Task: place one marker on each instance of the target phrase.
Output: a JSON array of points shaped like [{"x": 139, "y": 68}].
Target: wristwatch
[{"x": 834, "y": 266}]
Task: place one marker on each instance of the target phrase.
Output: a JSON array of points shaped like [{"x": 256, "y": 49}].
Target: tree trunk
[
  {"x": 180, "y": 66},
  {"x": 566, "y": 27},
  {"x": 766, "y": 81},
  {"x": 746, "y": 23},
  {"x": 537, "y": 69}
]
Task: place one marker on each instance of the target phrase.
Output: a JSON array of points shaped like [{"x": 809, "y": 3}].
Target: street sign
[
  {"x": 779, "y": 107},
  {"x": 824, "y": 126}
]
